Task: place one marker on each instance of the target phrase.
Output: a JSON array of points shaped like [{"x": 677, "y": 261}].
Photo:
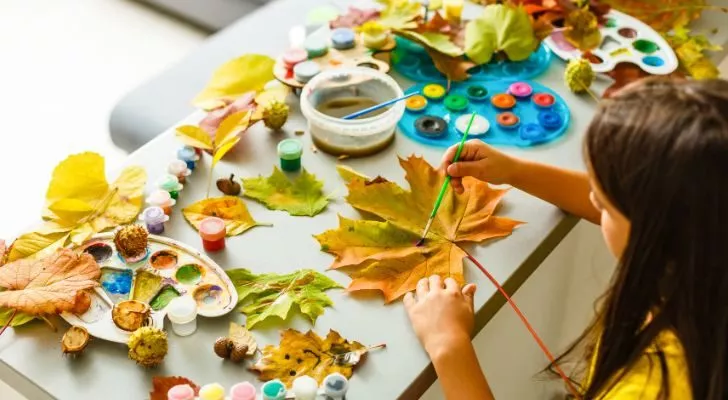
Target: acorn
[
  {"x": 240, "y": 351},
  {"x": 223, "y": 347},
  {"x": 229, "y": 186}
]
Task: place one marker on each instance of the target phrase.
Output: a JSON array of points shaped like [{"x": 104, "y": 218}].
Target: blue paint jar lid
[
  {"x": 531, "y": 132},
  {"x": 306, "y": 70},
  {"x": 290, "y": 149},
  {"x": 550, "y": 119},
  {"x": 343, "y": 38},
  {"x": 154, "y": 215},
  {"x": 187, "y": 153}
]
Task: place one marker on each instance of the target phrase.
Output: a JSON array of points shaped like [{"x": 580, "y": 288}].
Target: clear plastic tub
[{"x": 357, "y": 137}]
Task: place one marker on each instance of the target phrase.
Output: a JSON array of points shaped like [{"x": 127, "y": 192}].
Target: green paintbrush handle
[{"x": 445, "y": 184}]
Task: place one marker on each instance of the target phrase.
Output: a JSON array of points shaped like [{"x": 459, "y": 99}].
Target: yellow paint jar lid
[{"x": 434, "y": 91}]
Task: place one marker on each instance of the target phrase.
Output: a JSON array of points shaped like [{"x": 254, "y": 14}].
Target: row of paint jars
[{"x": 305, "y": 387}]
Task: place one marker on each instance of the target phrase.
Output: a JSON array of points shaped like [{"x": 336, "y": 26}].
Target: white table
[{"x": 30, "y": 356}]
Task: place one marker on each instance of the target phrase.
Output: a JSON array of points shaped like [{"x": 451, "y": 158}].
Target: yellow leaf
[
  {"x": 71, "y": 209},
  {"x": 230, "y": 127},
  {"x": 81, "y": 234},
  {"x": 37, "y": 244},
  {"x": 230, "y": 209},
  {"x": 278, "y": 93},
  {"x": 348, "y": 174},
  {"x": 194, "y": 136},
  {"x": 79, "y": 177},
  {"x": 703, "y": 69},
  {"x": 236, "y": 77},
  {"x": 222, "y": 150},
  {"x": 126, "y": 199}
]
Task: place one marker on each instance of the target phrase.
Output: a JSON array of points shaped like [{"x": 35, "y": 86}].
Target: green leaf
[
  {"x": 21, "y": 318},
  {"x": 234, "y": 78},
  {"x": 302, "y": 196},
  {"x": 434, "y": 40},
  {"x": 273, "y": 295},
  {"x": 501, "y": 28}
]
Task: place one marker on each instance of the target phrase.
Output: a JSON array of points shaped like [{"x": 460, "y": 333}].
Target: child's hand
[
  {"x": 479, "y": 161},
  {"x": 441, "y": 316}
]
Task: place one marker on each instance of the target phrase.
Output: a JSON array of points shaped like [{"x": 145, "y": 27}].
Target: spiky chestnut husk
[
  {"x": 275, "y": 115},
  {"x": 579, "y": 75},
  {"x": 75, "y": 340},
  {"x": 131, "y": 241},
  {"x": 148, "y": 346},
  {"x": 223, "y": 347}
]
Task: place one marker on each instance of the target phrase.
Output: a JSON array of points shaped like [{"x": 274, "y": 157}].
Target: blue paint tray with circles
[
  {"x": 412, "y": 61},
  {"x": 514, "y": 113}
]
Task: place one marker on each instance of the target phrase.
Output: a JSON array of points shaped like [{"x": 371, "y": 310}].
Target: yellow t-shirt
[{"x": 644, "y": 380}]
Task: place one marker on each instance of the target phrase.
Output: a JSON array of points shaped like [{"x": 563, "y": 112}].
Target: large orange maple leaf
[{"x": 381, "y": 255}]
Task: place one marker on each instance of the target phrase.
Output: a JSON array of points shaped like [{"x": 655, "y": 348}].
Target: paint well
[
  {"x": 164, "y": 259},
  {"x": 146, "y": 286},
  {"x": 611, "y": 23},
  {"x": 116, "y": 283},
  {"x": 609, "y": 44},
  {"x": 620, "y": 52},
  {"x": 189, "y": 274},
  {"x": 653, "y": 61},
  {"x": 99, "y": 251},
  {"x": 208, "y": 295},
  {"x": 628, "y": 33},
  {"x": 645, "y": 46},
  {"x": 593, "y": 58},
  {"x": 163, "y": 298}
]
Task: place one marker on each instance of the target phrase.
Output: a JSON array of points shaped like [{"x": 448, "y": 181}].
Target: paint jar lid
[
  {"x": 212, "y": 228},
  {"x": 274, "y": 390},
  {"x": 305, "y": 388},
  {"x": 503, "y": 101},
  {"x": 479, "y": 127},
  {"x": 181, "y": 392},
  {"x": 336, "y": 384},
  {"x": 212, "y": 391},
  {"x": 182, "y": 310},
  {"x": 178, "y": 168},
  {"x": 290, "y": 149},
  {"x": 305, "y": 71},
  {"x": 161, "y": 198},
  {"x": 154, "y": 215},
  {"x": 169, "y": 183},
  {"x": 187, "y": 153},
  {"x": 343, "y": 38},
  {"x": 520, "y": 89},
  {"x": 242, "y": 391}
]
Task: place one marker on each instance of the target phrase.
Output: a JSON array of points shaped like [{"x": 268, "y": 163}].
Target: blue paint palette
[
  {"x": 514, "y": 113},
  {"x": 412, "y": 61}
]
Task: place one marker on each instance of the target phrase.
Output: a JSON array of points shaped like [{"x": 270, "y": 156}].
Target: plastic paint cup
[
  {"x": 182, "y": 313},
  {"x": 335, "y": 386},
  {"x": 273, "y": 390},
  {"x": 212, "y": 391},
  {"x": 305, "y": 388},
  {"x": 212, "y": 232},
  {"x": 181, "y": 392},
  {"x": 162, "y": 199},
  {"x": 170, "y": 183},
  {"x": 294, "y": 56},
  {"x": 154, "y": 217},
  {"x": 343, "y": 38},
  {"x": 179, "y": 169},
  {"x": 242, "y": 391},
  {"x": 290, "y": 151},
  {"x": 189, "y": 156}
]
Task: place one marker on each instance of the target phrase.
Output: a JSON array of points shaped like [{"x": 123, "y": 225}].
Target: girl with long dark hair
[{"x": 657, "y": 183}]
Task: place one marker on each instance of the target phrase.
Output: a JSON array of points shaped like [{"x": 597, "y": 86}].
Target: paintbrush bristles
[{"x": 424, "y": 234}]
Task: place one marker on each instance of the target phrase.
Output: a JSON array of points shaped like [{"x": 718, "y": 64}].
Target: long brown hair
[{"x": 659, "y": 151}]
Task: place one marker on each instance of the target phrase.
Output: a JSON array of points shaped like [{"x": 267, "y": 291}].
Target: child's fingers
[
  {"x": 409, "y": 300},
  {"x": 464, "y": 168},
  {"x": 435, "y": 283},
  {"x": 423, "y": 287},
  {"x": 457, "y": 185},
  {"x": 451, "y": 285},
  {"x": 469, "y": 293}
]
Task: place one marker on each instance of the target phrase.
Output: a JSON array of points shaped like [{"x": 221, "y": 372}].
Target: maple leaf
[
  {"x": 302, "y": 196},
  {"x": 273, "y": 295},
  {"x": 381, "y": 255},
  {"x": 162, "y": 384},
  {"x": 236, "y": 77},
  {"x": 230, "y": 209},
  {"x": 501, "y": 28},
  {"x": 400, "y": 14},
  {"x": 691, "y": 51},
  {"x": 49, "y": 285},
  {"x": 661, "y": 15},
  {"x": 306, "y": 354},
  {"x": 582, "y": 29},
  {"x": 354, "y": 17},
  {"x": 79, "y": 203}
]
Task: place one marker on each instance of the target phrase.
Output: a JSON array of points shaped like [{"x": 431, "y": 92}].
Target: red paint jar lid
[
  {"x": 212, "y": 228},
  {"x": 294, "y": 56},
  {"x": 543, "y": 99}
]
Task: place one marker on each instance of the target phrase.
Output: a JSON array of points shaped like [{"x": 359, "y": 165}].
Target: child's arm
[
  {"x": 568, "y": 190},
  {"x": 443, "y": 319}
]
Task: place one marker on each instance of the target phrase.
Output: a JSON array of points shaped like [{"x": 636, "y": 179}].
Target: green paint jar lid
[
  {"x": 290, "y": 149},
  {"x": 456, "y": 102}
]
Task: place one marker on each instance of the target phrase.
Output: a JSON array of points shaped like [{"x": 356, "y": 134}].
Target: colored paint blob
[
  {"x": 99, "y": 251},
  {"x": 645, "y": 46},
  {"x": 653, "y": 61},
  {"x": 116, "y": 283},
  {"x": 611, "y": 23},
  {"x": 477, "y": 92},
  {"x": 367, "y": 64},
  {"x": 163, "y": 298},
  {"x": 189, "y": 274},
  {"x": 208, "y": 295},
  {"x": 163, "y": 259},
  {"x": 593, "y": 58},
  {"x": 146, "y": 285},
  {"x": 620, "y": 51},
  {"x": 628, "y": 33}
]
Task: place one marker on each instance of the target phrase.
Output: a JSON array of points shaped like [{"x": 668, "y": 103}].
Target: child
[{"x": 657, "y": 183}]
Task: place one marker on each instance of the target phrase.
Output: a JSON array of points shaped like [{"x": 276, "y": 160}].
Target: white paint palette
[
  {"x": 168, "y": 270},
  {"x": 624, "y": 39}
]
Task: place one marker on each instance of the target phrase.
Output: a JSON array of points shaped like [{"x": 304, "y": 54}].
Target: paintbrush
[
  {"x": 445, "y": 184},
  {"x": 378, "y": 106}
]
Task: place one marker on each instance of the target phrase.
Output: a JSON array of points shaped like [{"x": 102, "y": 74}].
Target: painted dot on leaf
[
  {"x": 287, "y": 357},
  {"x": 292, "y": 373}
]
